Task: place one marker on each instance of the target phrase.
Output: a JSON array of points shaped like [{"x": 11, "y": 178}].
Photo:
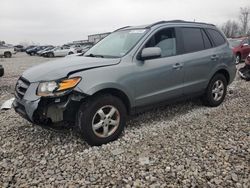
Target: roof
[
  {"x": 179, "y": 21},
  {"x": 163, "y": 22}
]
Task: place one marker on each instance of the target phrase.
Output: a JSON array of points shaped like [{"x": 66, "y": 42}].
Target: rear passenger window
[
  {"x": 207, "y": 42},
  {"x": 217, "y": 38},
  {"x": 192, "y": 40}
]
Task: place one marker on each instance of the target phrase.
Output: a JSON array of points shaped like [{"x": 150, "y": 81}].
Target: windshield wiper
[{"x": 94, "y": 55}]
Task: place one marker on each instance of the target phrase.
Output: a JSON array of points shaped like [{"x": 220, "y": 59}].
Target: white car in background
[
  {"x": 60, "y": 51},
  {"x": 6, "y": 51},
  {"x": 63, "y": 51}
]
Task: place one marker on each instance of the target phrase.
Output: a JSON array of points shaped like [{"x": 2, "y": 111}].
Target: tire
[
  {"x": 238, "y": 58},
  {"x": 95, "y": 124},
  {"x": 216, "y": 91},
  {"x": 70, "y": 53},
  {"x": 51, "y": 54},
  {"x": 7, "y": 54}
]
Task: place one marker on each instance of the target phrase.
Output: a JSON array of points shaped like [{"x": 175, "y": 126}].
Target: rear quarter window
[
  {"x": 207, "y": 42},
  {"x": 216, "y": 36}
]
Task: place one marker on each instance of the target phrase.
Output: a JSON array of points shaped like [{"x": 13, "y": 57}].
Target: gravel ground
[{"x": 181, "y": 145}]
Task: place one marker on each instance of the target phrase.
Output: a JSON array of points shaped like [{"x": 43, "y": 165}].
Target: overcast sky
[{"x": 62, "y": 21}]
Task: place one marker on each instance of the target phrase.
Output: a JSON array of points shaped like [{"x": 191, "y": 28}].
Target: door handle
[
  {"x": 214, "y": 57},
  {"x": 177, "y": 66}
]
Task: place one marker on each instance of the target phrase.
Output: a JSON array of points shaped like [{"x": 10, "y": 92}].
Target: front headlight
[{"x": 57, "y": 88}]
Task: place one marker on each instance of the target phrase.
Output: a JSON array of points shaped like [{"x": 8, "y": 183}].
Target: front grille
[{"x": 21, "y": 87}]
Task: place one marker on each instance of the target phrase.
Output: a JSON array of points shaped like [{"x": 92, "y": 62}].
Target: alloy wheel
[
  {"x": 106, "y": 121},
  {"x": 218, "y": 90}
]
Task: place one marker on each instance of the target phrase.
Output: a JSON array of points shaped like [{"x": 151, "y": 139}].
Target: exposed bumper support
[{"x": 44, "y": 111}]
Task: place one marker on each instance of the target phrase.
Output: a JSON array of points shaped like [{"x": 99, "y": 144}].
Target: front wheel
[
  {"x": 216, "y": 91},
  {"x": 101, "y": 119},
  {"x": 7, "y": 55}
]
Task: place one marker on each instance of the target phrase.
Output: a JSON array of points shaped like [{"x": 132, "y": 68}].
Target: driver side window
[{"x": 164, "y": 39}]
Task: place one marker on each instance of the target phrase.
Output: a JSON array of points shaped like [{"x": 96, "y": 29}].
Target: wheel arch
[
  {"x": 7, "y": 52},
  {"x": 223, "y": 72},
  {"x": 238, "y": 52},
  {"x": 117, "y": 93}
]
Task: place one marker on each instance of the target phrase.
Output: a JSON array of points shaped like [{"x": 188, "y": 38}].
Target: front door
[{"x": 161, "y": 78}]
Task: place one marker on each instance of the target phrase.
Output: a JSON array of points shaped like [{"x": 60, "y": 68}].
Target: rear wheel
[
  {"x": 216, "y": 91},
  {"x": 70, "y": 53},
  {"x": 101, "y": 119},
  {"x": 7, "y": 54}
]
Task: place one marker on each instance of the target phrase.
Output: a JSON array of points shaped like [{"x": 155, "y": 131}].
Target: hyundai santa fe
[{"x": 131, "y": 69}]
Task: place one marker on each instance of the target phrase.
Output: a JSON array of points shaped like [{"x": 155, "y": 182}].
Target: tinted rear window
[
  {"x": 216, "y": 36},
  {"x": 192, "y": 40}
]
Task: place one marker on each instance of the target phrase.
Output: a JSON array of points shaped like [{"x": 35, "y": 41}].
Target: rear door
[{"x": 198, "y": 59}]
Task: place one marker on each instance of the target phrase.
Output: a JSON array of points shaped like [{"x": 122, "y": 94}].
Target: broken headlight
[{"x": 57, "y": 88}]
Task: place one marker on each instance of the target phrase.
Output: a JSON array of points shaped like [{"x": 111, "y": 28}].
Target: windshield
[
  {"x": 234, "y": 42},
  {"x": 116, "y": 44}
]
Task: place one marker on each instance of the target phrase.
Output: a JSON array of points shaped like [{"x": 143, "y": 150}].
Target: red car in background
[{"x": 241, "y": 48}]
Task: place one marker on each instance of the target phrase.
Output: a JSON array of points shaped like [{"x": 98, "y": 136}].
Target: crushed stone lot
[{"x": 180, "y": 145}]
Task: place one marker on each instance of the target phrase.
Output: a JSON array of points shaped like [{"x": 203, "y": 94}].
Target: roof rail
[
  {"x": 121, "y": 28},
  {"x": 176, "y": 21}
]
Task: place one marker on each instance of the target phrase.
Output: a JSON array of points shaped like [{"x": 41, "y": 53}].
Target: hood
[{"x": 61, "y": 68}]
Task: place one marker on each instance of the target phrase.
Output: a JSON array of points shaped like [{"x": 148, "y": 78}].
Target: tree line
[{"x": 239, "y": 27}]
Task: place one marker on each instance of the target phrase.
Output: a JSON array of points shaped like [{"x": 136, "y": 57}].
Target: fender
[{"x": 109, "y": 85}]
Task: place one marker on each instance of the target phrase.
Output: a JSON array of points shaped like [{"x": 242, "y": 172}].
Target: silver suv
[{"x": 131, "y": 69}]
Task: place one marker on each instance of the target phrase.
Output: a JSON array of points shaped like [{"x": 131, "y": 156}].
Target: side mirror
[
  {"x": 150, "y": 53},
  {"x": 245, "y": 44}
]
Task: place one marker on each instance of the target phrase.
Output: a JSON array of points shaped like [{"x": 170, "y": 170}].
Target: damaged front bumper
[
  {"x": 45, "y": 110},
  {"x": 25, "y": 108}
]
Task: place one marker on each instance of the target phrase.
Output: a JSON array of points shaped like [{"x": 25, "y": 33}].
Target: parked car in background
[
  {"x": 7, "y": 51},
  {"x": 19, "y": 48},
  {"x": 40, "y": 52},
  {"x": 82, "y": 48},
  {"x": 60, "y": 51},
  {"x": 49, "y": 52},
  {"x": 1, "y": 71},
  {"x": 130, "y": 70},
  {"x": 33, "y": 51},
  {"x": 29, "y": 47},
  {"x": 85, "y": 48},
  {"x": 75, "y": 55},
  {"x": 241, "y": 48},
  {"x": 81, "y": 52}
]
